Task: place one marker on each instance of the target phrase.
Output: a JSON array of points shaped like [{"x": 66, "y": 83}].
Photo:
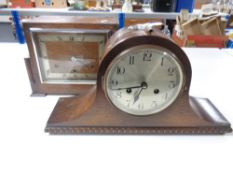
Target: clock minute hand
[
  {"x": 133, "y": 87},
  {"x": 143, "y": 86}
]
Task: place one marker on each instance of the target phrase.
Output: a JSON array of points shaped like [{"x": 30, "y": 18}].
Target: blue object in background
[
  {"x": 185, "y": 4},
  {"x": 121, "y": 19},
  {"x": 18, "y": 29},
  {"x": 230, "y": 44},
  {"x": 48, "y": 2}
]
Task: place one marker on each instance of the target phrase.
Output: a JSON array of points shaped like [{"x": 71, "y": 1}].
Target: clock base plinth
[
  {"x": 137, "y": 130},
  {"x": 91, "y": 114}
]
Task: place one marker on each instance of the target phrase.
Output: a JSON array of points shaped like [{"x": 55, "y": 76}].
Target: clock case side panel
[{"x": 39, "y": 88}]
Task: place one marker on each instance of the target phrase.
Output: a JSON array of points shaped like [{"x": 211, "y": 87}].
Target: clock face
[
  {"x": 143, "y": 80},
  {"x": 64, "y": 57}
]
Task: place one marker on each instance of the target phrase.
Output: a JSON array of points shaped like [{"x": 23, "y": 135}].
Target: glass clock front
[
  {"x": 68, "y": 56},
  {"x": 144, "y": 80}
]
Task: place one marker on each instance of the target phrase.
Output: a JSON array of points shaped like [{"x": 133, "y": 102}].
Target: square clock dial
[{"x": 68, "y": 56}]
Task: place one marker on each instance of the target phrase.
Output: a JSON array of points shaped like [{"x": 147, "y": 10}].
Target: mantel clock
[
  {"x": 65, "y": 52},
  {"x": 142, "y": 88}
]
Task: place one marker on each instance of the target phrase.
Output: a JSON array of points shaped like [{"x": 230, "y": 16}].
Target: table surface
[{"x": 26, "y": 149}]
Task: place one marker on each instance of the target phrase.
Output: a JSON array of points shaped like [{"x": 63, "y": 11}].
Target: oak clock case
[
  {"x": 65, "y": 52},
  {"x": 142, "y": 88}
]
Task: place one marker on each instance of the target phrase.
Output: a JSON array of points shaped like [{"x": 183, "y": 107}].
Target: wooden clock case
[
  {"x": 92, "y": 113},
  {"x": 105, "y": 26}
]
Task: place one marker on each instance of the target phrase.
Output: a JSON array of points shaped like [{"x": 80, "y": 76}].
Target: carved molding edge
[{"x": 137, "y": 130}]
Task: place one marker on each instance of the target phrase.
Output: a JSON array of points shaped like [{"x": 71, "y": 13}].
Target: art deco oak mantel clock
[
  {"x": 65, "y": 52},
  {"x": 142, "y": 87}
]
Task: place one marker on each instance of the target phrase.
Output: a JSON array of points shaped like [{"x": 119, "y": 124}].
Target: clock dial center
[{"x": 144, "y": 85}]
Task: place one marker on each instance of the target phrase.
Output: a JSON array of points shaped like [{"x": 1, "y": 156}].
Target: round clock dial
[{"x": 144, "y": 80}]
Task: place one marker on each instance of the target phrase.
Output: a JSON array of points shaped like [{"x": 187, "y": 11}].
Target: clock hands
[
  {"x": 134, "y": 87},
  {"x": 136, "y": 95},
  {"x": 143, "y": 85},
  {"x": 82, "y": 61}
]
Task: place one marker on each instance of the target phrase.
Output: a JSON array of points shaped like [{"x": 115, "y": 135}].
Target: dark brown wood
[
  {"x": 101, "y": 118},
  {"x": 76, "y": 22},
  {"x": 64, "y": 22},
  {"x": 92, "y": 113}
]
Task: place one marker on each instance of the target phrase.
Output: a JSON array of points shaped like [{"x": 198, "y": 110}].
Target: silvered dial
[
  {"x": 144, "y": 80},
  {"x": 66, "y": 57}
]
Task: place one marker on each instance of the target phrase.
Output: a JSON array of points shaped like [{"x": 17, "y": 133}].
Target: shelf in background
[{"x": 57, "y": 12}]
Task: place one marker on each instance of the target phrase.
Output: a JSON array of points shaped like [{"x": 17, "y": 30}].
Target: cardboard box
[
  {"x": 192, "y": 27},
  {"x": 212, "y": 27}
]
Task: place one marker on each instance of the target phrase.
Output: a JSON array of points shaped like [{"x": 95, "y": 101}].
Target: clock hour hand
[
  {"x": 136, "y": 96},
  {"x": 81, "y": 60}
]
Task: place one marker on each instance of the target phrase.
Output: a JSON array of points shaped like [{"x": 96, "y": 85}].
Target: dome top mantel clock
[{"x": 142, "y": 88}]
